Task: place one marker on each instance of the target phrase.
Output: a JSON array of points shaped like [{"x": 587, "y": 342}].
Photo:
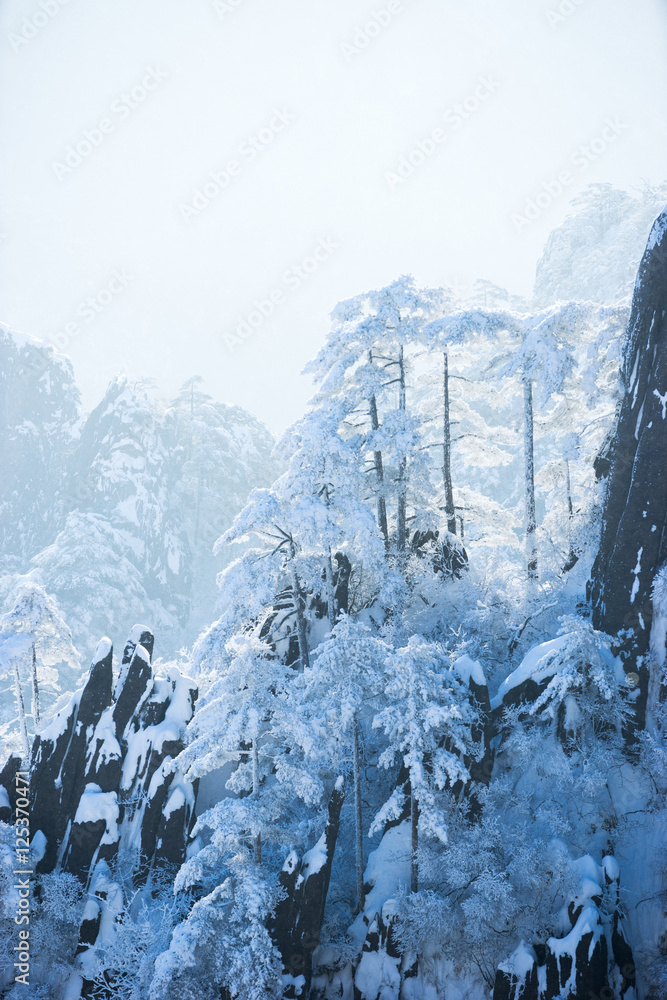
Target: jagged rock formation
[
  {"x": 279, "y": 628},
  {"x": 101, "y": 784},
  {"x": 97, "y": 774},
  {"x": 633, "y": 544},
  {"x": 297, "y": 922},
  {"x": 591, "y": 958}
]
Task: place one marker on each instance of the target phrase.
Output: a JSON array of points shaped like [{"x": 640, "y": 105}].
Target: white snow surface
[
  {"x": 315, "y": 859},
  {"x": 102, "y": 649},
  {"x": 105, "y": 731},
  {"x": 520, "y": 962},
  {"x": 94, "y": 805},
  {"x": 468, "y": 669},
  {"x": 56, "y": 728},
  {"x": 387, "y": 871},
  {"x": 537, "y": 665}
]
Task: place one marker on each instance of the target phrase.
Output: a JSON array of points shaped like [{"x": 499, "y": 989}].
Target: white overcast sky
[{"x": 323, "y": 176}]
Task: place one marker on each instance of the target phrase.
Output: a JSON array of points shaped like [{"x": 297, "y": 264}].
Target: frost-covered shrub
[
  {"x": 226, "y": 941},
  {"x": 140, "y": 935}
]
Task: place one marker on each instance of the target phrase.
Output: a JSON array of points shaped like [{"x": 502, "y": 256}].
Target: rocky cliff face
[
  {"x": 99, "y": 775},
  {"x": 101, "y": 786},
  {"x": 633, "y": 543}
]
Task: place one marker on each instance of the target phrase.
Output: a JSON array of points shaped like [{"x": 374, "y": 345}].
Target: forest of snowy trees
[{"x": 394, "y": 724}]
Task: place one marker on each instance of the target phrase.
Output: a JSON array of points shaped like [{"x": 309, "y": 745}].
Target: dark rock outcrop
[
  {"x": 593, "y": 959},
  {"x": 516, "y": 979},
  {"x": 297, "y": 922},
  {"x": 479, "y": 767},
  {"x": 60, "y": 754},
  {"x": 633, "y": 543},
  {"x": 99, "y": 772},
  {"x": 8, "y": 784},
  {"x": 101, "y": 783}
]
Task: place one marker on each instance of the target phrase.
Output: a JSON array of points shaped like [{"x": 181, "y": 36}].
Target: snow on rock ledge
[{"x": 591, "y": 958}]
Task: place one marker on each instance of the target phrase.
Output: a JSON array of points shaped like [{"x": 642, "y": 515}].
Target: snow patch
[
  {"x": 536, "y": 665},
  {"x": 637, "y": 570},
  {"x": 520, "y": 963},
  {"x": 316, "y": 858},
  {"x": 387, "y": 871},
  {"x": 95, "y": 805},
  {"x": 468, "y": 669}
]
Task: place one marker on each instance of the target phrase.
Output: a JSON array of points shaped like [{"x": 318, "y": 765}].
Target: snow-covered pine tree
[
  {"x": 246, "y": 722},
  {"x": 325, "y": 485},
  {"x": 544, "y": 362},
  {"x": 427, "y": 722},
  {"x": 594, "y": 254},
  {"x": 334, "y": 701},
  {"x": 366, "y": 366},
  {"x": 283, "y": 528},
  {"x": 245, "y": 729},
  {"x": 34, "y": 639},
  {"x": 470, "y": 334}
]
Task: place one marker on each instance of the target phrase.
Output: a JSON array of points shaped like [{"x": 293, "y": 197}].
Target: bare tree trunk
[
  {"x": 331, "y": 606},
  {"x": 450, "y": 511},
  {"x": 572, "y": 557},
  {"x": 529, "y": 458},
  {"x": 20, "y": 704},
  {"x": 35, "y": 690},
  {"x": 300, "y": 606},
  {"x": 379, "y": 470},
  {"x": 401, "y": 533},
  {"x": 255, "y": 792},
  {"x": 414, "y": 851},
  {"x": 358, "y": 817},
  {"x": 197, "y": 510}
]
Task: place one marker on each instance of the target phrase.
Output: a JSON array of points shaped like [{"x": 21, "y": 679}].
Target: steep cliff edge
[{"x": 633, "y": 544}]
